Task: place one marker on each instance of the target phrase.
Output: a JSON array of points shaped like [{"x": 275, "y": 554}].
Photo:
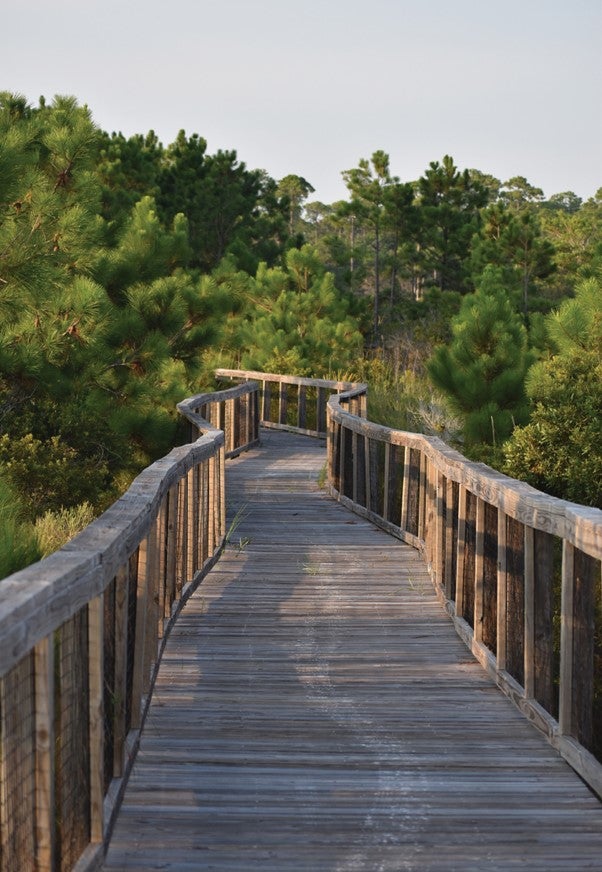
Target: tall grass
[{"x": 18, "y": 543}]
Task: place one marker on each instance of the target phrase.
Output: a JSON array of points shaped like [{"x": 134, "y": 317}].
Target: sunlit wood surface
[{"x": 316, "y": 711}]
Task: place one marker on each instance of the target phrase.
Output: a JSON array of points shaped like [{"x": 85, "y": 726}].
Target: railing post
[
  {"x": 45, "y": 739},
  {"x": 449, "y": 538},
  {"x": 386, "y": 477},
  {"x": 462, "y": 499},
  {"x": 96, "y": 706},
  {"x": 138, "y": 683},
  {"x": 122, "y": 583},
  {"x": 405, "y": 489},
  {"x": 502, "y": 585},
  {"x": 529, "y": 643},
  {"x": 479, "y": 571},
  {"x": 565, "y": 709}
]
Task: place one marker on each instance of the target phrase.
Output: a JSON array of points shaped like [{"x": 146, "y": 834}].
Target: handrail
[
  {"x": 82, "y": 635},
  {"x": 295, "y": 403},
  {"x": 505, "y": 560},
  {"x": 83, "y": 631},
  {"x": 235, "y": 411}
]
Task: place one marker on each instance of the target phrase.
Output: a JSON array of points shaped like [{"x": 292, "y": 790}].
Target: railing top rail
[
  {"x": 580, "y": 525},
  {"x": 188, "y": 407},
  {"x": 40, "y": 598},
  {"x": 291, "y": 379}
]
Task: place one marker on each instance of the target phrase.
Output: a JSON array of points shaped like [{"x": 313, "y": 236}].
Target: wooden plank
[
  {"x": 529, "y": 644},
  {"x": 96, "y": 708},
  {"x": 122, "y": 586},
  {"x": 565, "y": 709},
  {"x": 314, "y": 709},
  {"x": 459, "y": 604},
  {"x": 479, "y": 569},
  {"x": 45, "y": 777}
]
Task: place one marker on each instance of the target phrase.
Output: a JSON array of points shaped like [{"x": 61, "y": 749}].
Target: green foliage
[
  {"x": 559, "y": 450},
  {"x": 49, "y": 475},
  {"x": 512, "y": 240},
  {"x": 101, "y": 327},
  {"x": 450, "y": 201},
  {"x": 55, "y": 529},
  {"x": 482, "y": 370},
  {"x": 18, "y": 544},
  {"x": 297, "y": 321}
]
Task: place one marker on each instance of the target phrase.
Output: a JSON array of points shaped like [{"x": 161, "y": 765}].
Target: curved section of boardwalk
[{"x": 315, "y": 711}]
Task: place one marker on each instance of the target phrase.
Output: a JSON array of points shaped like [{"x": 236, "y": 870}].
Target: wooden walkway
[{"x": 315, "y": 711}]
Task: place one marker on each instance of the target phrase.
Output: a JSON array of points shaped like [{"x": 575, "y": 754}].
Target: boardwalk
[{"x": 315, "y": 711}]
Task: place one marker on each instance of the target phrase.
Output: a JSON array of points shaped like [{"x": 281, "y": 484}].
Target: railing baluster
[
  {"x": 95, "y": 684},
  {"x": 479, "y": 571},
  {"x": 45, "y": 829}
]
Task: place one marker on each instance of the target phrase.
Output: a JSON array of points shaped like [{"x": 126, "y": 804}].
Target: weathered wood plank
[{"x": 315, "y": 710}]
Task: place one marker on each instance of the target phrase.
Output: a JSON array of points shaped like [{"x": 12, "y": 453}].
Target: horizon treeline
[{"x": 129, "y": 270}]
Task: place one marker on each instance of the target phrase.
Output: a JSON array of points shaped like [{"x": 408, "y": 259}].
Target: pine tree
[
  {"x": 559, "y": 449},
  {"x": 482, "y": 370}
]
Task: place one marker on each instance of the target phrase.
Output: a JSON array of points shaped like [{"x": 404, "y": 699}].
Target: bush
[
  {"x": 55, "y": 529},
  {"x": 18, "y": 547},
  {"x": 50, "y": 475}
]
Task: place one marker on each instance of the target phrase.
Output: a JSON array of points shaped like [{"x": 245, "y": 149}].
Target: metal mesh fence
[
  {"x": 17, "y": 768},
  {"x": 72, "y": 753}
]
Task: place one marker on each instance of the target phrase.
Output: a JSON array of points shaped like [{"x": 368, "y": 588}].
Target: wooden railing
[
  {"x": 82, "y": 633},
  {"x": 235, "y": 411},
  {"x": 289, "y": 402},
  {"x": 518, "y": 571}
]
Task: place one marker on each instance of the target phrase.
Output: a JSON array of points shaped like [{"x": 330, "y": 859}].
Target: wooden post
[
  {"x": 354, "y": 441},
  {"x": 544, "y": 621},
  {"x": 422, "y": 496},
  {"x": 267, "y": 400},
  {"x": 171, "y": 550},
  {"x": 152, "y": 611},
  {"x": 44, "y": 782},
  {"x": 529, "y": 644},
  {"x": 449, "y": 538},
  {"x": 212, "y": 505},
  {"x": 302, "y": 407},
  {"x": 160, "y": 557},
  {"x": 367, "y": 471},
  {"x": 479, "y": 570},
  {"x": 282, "y": 403},
  {"x": 565, "y": 708},
  {"x": 322, "y": 405},
  {"x": 122, "y": 583},
  {"x": 405, "y": 489},
  {"x": 182, "y": 565},
  {"x": 221, "y": 472},
  {"x": 386, "y": 483},
  {"x": 96, "y": 708},
  {"x": 138, "y": 683},
  {"x": 462, "y": 498},
  {"x": 502, "y": 581}
]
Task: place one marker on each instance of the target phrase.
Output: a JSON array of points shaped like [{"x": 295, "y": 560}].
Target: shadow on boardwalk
[{"x": 315, "y": 711}]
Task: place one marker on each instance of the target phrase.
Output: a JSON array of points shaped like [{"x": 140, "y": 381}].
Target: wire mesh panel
[
  {"x": 547, "y": 553},
  {"x": 17, "y": 768},
  {"x": 109, "y": 707},
  {"x": 490, "y": 578},
  {"x": 132, "y": 599},
  {"x": 413, "y": 488},
  {"x": 515, "y": 599},
  {"x": 73, "y": 757},
  {"x": 470, "y": 531},
  {"x": 586, "y": 601}
]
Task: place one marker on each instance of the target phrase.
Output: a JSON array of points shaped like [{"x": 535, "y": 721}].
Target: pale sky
[{"x": 509, "y": 87}]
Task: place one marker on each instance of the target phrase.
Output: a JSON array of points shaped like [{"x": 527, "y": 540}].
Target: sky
[{"x": 310, "y": 87}]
